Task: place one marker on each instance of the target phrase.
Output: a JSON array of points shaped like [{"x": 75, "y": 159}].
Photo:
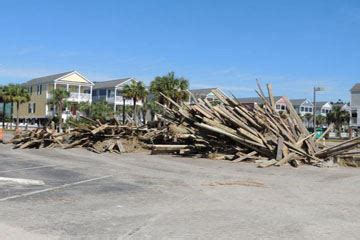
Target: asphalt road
[{"x": 139, "y": 196}]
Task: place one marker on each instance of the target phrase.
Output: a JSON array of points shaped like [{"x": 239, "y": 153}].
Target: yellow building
[{"x": 40, "y": 107}]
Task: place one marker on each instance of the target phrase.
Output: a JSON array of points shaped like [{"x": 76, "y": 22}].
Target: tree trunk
[
  {"x": 144, "y": 111},
  {"x": 17, "y": 115},
  {"x": 123, "y": 110},
  {"x": 134, "y": 111},
  {"x": 60, "y": 117},
  {"x": 12, "y": 115},
  {"x": 144, "y": 115}
]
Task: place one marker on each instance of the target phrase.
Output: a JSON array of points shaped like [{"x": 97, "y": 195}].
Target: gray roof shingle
[
  {"x": 319, "y": 105},
  {"x": 297, "y": 102},
  {"x": 46, "y": 79},
  {"x": 355, "y": 88},
  {"x": 110, "y": 83}
]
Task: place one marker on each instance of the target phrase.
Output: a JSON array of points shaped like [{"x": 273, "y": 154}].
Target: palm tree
[
  {"x": 2, "y": 99},
  {"x": 17, "y": 94},
  {"x": 171, "y": 86},
  {"x": 136, "y": 91},
  {"x": 85, "y": 108},
  {"x": 101, "y": 111},
  {"x": 338, "y": 117},
  {"x": 320, "y": 120},
  {"x": 59, "y": 97}
]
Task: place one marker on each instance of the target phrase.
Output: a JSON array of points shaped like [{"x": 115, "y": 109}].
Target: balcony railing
[
  {"x": 75, "y": 97},
  {"x": 119, "y": 100},
  {"x": 81, "y": 97}
]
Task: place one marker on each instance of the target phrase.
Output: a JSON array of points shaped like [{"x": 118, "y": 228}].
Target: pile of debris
[
  {"x": 229, "y": 130},
  {"x": 222, "y": 130},
  {"x": 93, "y": 135}
]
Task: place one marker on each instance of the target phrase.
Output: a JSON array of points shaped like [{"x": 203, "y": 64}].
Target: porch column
[
  {"x": 67, "y": 89},
  {"x": 79, "y": 91},
  {"x": 53, "y": 112},
  {"x": 91, "y": 94},
  {"x": 115, "y": 100}
]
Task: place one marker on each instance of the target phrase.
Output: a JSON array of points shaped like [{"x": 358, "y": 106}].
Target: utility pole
[
  {"x": 316, "y": 89},
  {"x": 314, "y": 109}
]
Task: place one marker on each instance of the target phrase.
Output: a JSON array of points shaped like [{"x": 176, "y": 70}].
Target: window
[
  {"x": 283, "y": 107},
  {"x": 30, "y": 90},
  {"x": 102, "y": 92},
  {"x": 38, "y": 89},
  {"x": 31, "y": 107},
  {"x": 210, "y": 99},
  {"x": 310, "y": 109},
  {"x": 306, "y": 109},
  {"x": 277, "y": 106},
  {"x": 302, "y": 109}
]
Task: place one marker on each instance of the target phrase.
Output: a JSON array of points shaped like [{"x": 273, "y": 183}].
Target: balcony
[
  {"x": 75, "y": 97},
  {"x": 111, "y": 99},
  {"x": 81, "y": 97}
]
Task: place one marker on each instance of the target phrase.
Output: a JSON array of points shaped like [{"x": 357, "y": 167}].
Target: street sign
[{"x": 318, "y": 89}]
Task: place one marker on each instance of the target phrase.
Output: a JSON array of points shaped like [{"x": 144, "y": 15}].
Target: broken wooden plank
[{"x": 253, "y": 153}]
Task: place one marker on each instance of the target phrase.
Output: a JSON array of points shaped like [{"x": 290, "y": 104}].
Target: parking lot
[{"x": 138, "y": 196}]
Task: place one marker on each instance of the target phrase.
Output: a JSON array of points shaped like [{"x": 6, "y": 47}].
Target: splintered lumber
[
  {"x": 330, "y": 127},
  {"x": 271, "y": 97},
  {"x": 247, "y": 156},
  {"x": 99, "y": 129},
  {"x": 120, "y": 146},
  {"x": 223, "y": 129},
  {"x": 279, "y": 149},
  {"x": 229, "y": 128},
  {"x": 267, "y": 163},
  {"x": 286, "y": 159},
  {"x": 339, "y": 149},
  {"x": 167, "y": 147},
  {"x": 157, "y": 149},
  {"x": 93, "y": 135}
]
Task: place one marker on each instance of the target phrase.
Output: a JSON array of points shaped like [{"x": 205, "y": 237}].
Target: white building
[
  {"x": 355, "y": 106},
  {"x": 110, "y": 92}
]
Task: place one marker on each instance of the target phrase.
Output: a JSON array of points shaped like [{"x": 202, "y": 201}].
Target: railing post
[
  {"x": 79, "y": 93},
  {"x": 115, "y": 101},
  {"x": 90, "y": 94}
]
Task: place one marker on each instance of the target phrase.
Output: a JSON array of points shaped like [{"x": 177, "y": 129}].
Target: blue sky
[{"x": 228, "y": 44}]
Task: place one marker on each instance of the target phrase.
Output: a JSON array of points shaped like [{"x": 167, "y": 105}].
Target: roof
[
  {"x": 297, "y": 102},
  {"x": 198, "y": 93},
  {"x": 111, "y": 83},
  {"x": 255, "y": 99},
  {"x": 319, "y": 105},
  {"x": 47, "y": 79},
  {"x": 355, "y": 88}
]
